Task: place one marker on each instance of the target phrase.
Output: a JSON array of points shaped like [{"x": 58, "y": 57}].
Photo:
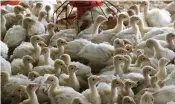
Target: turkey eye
[
  {"x": 61, "y": 42},
  {"x": 130, "y": 84},
  {"x": 52, "y": 80},
  {"x": 119, "y": 59},
  {"x": 117, "y": 83},
  {"x": 128, "y": 101},
  {"x": 149, "y": 70},
  {"x": 28, "y": 59},
  {"x": 93, "y": 79},
  {"x": 37, "y": 39},
  {"x": 61, "y": 64},
  {"x": 34, "y": 76},
  {"x": 19, "y": 90},
  {"x": 118, "y": 43}
]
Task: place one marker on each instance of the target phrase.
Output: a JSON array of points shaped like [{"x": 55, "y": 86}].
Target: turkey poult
[
  {"x": 17, "y": 34},
  {"x": 169, "y": 38},
  {"x": 129, "y": 84},
  {"x": 51, "y": 33},
  {"x": 31, "y": 92},
  {"x": 145, "y": 83},
  {"x": 39, "y": 27},
  {"x": 43, "y": 88},
  {"x": 37, "y": 8},
  {"x": 162, "y": 71},
  {"x": 45, "y": 58},
  {"x": 11, "y": 16},
  {"x": 109, "y": 93},
  {"x": 19, "y": 18},
  {"x": 90, "y": 32},
  {"x": 155, "y": 17},
  {"x": 58, "y": 49},
  {"x": 92, "y": 93},
  {"x": 49, "y": 69},
  {"x": 70, "y": 79},
  {"x": 3, "y": 22},
  {"x": 159, "y": 51},
  {"x": 22, "y": 66},
  {"x": 82, "y": 74},
  {"x": 107, "y": 35},
  {"x": 28, "y": 48},
  {"x": 132, "y": 34},
  {"x": 10, "y": 83},
  {"x": 63, "y": 95}
]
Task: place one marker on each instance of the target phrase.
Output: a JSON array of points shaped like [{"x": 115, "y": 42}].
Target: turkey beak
[
  {"x": 153, "y": 73},
  {"x": 102, "y": 80},
  {"x": 44, "y": 44},
  {"x": 33, "y": 60},
  {"x": 89, "y": 74},
  {"x": 168, "y": 61},
  {"x": 135, "y": 84},
  {"x": 41, "y": 39},
  {"x": 65, "y": 43},
  {"x": 46, "y": 82},
  {"x": 99, "y": 79},
  {"x": 55, "y": 25},
  {"x": 77, "y": 69},
  {"x": 125, "y": 59}
]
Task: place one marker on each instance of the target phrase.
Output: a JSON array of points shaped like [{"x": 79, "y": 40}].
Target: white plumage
[
  {"x": 67, "y": 34},
  {"x": 75, "y": 46},
  {"x": 27, "y": 48},
  {"x": 156, "y": 17},
  {"x": 22, "y": 66},
  {"x": 164, "y": 95},
  {"x": 170, "y": 79},
  {"x": 5, "y": 65},
  {"x": 4, "y": 50},
  {"x": 97, "y": 53},
  {"x": 12, "y": 82},
  {"x": 15, "y": 36}
]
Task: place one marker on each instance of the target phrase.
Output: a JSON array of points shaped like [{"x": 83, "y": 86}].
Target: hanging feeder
[
  {"x": 82, "y": 7},
  {"x": 10, "y": 2}
]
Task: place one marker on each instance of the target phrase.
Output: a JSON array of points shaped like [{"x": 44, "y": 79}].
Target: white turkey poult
[{"x": 87, "y": 52}]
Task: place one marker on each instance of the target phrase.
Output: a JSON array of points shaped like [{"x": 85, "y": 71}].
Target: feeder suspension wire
[
  {"x": 71, "y": 11},
  {"x": 108, "y": 6},
  {"x": 57, "y": 9},
  {"x": 113, "y": 5},
  {"x": 91, "y": 13},
  {"x": 101, "y": 10}
]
